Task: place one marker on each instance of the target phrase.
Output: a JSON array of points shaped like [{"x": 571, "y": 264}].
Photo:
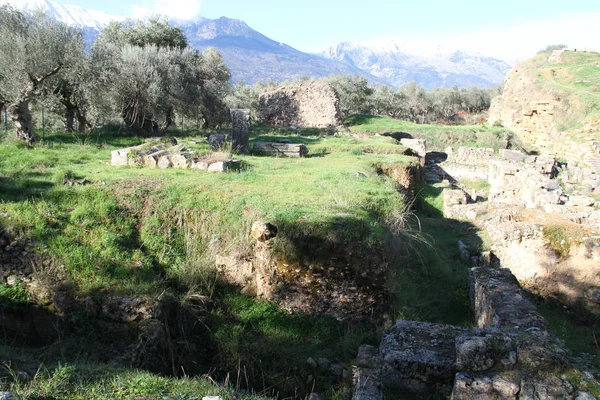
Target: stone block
[
  {"x": 512, "y": 155},
  {"x": 280, "y": 149},
  {"x": 164, "y": 162},
  {"x": 420, "y": 356},
  {"x": 581, "y": 201},
  {"x": 240, "y": 128},
  {"x": 417, "y": 145},
  {"x": 225, "y": 166},
  {"x": 499, "y": 302},
  {"x": 151, "y": 160},
  {"x": 199, "y": 164},
  {"x": 216, "y": 142},
  {"x": 182, "y": 160},
  {"x": 367, "y": 375}
]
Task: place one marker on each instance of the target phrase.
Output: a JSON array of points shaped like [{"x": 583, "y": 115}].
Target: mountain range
[{"x": 253, "y": 57}]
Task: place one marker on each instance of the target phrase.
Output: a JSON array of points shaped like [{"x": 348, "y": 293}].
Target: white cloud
[{"x": 178, "y": 9}]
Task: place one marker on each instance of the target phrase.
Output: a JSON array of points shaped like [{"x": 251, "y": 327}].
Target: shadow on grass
[
  {"x": 361, "y": 119},
  {"x": 23, "y": 185}
]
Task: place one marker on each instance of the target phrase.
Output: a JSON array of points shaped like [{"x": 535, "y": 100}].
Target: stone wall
[
  {"x": 509, "y": 355},
  {"x": 307, "y": 105}
]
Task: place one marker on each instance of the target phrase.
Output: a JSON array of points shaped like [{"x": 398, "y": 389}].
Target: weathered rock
[
  {"x": 584, "y": 396},
  {"x": 494, "y": 386},
  {"x": 473, "y": 155},
  {"x": 151, "y": 160},
  {"x": 417, "y": 145},
  {"x": 199, "y": 164},
  {"x": 315, "y": 396},
  {"x": 307, "y": 105},
  {"x": 164, "y": 162},
  {"x": 367, "y": 375},
  {"x": 453, "y": 197},
  {"x": 216, "y": 142},
  {"x": 225, "y": 166},
  {"x": 419, "y": 356},
  {"x": 280, "y": 149},
  {"x": 182, "y": 160},
  {"x": 512, "y": 155},
  {"x": 263, "y": 231},
  {"x": 8, "y": 396},
  {"x": 498, "y": 301},
  {"x": 545, "y": 388},
  {"x": 240, "y": 126},
  {"x": 581, "y": 201}
]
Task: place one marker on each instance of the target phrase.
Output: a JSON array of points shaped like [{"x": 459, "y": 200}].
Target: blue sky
[{"x": 510, "y": 29}]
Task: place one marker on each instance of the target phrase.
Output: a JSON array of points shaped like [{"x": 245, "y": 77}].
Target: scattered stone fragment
[
  {"x": 263, "y": 231},
  {"x": 216, "y": 142}
]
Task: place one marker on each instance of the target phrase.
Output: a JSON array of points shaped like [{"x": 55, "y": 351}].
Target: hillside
[
  {"x": 552, "y": 102},
  {"x": 389, "y": 62},
  {"x": 253, "y": 57}
]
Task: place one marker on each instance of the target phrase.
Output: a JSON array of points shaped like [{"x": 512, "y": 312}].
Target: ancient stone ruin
[
  {"x": 306, "y": 105},
  {"x": 162, "y": 156},
  {"x": 279, "y": 149},
  {"x": 509, "y": 355},
  {"x": 240, "y": 126}
]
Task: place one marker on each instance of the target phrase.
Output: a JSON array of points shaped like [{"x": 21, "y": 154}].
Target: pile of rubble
[{"x": 161, "y": 155}]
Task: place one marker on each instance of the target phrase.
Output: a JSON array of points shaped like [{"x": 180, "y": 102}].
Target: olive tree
[
  {"x": 148, "y": 78},
  {"x": 34, "y": 49}
]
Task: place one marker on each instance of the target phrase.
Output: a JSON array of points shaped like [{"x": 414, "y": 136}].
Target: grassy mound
[{"x": 438, "y": 137}]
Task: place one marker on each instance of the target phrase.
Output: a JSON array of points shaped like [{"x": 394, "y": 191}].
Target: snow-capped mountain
[
  {"x": 253, "y": 57},
  {"x": 390, "y": 61},
  {"x": 66, "y": 13}
]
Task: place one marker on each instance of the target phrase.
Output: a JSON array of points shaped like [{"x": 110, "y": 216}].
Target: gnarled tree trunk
[{"x": 23, "y": 121}]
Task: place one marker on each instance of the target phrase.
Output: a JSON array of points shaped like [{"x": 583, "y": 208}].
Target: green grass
[
  {"x": 78, "y": 381},
  {"x": 135, "y": 231},
  {"x": 438, "y": 136},
  {"x": 13, "y": 296}
]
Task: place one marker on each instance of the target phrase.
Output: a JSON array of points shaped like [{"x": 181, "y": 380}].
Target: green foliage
[
  {"x": 13, "y": 296},
  {"x": 410, "y": 102},
  {"x": 77, "y": 381},
  {"x": 556, "y": 239},
  {"x": 551, "y": 47}
]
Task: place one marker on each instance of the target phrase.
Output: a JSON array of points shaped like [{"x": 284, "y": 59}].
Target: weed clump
[{"x": 556, "y": 240}]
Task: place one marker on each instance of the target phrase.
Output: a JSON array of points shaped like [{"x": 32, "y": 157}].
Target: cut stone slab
[
  {"x": 498, "y": 301},
  {"x": 417, "y": 145},
  {"x": 240, "y": 127},
  {"x": 280, "y": 149},
  {"x": 182, "y": 160},
  {"x": 512, "y": 155},
  {"x": 164, "y": 162},
  {"x": 151, "y": 160},
  {"x": 225, "y": 166},
  {"x": 120, "y": 157},
  {"x": 495, "y": 386},
  {"x": 367, "y": 375},
  {"x": 420, "y": 356},
  {"x": 216, "y": 142}
]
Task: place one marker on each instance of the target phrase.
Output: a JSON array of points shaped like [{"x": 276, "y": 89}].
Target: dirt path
[{"x": 547, "y": 73}]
